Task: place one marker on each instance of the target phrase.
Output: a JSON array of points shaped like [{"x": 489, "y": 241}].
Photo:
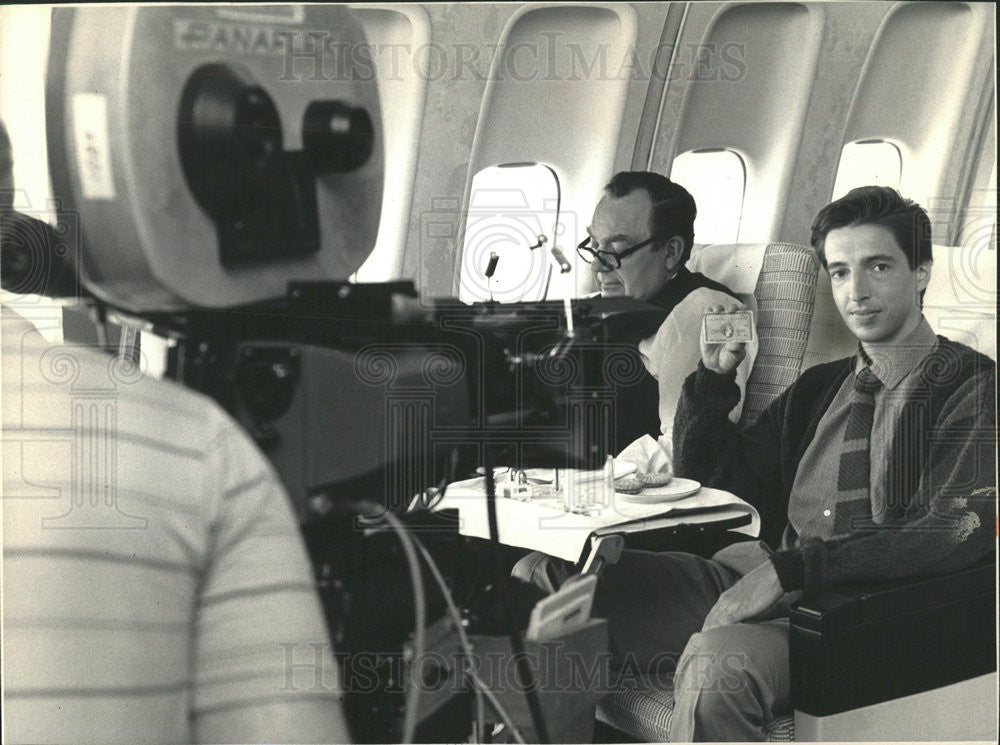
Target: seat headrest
[
  {"x": 961, "y": 298},
  {"x": 736, "y": 265}
]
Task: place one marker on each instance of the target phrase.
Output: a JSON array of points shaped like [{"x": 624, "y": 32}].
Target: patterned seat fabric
[
  {"x": 644, "y": 706},
  {"x": 785, "y": 294}
]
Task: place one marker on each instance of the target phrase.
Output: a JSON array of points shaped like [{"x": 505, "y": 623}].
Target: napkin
[{"x": 643, "y": 456}]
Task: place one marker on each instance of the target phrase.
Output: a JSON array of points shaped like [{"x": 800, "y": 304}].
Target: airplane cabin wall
[
  {"x": 847, "y": 37},
  {"x": 394, "y": 33},
  {"x": 531, "y": 114},
  {"x": 800, "y": 81},
  {"x": 742, "y": 84},
  {"x": 805, "y": 81}
]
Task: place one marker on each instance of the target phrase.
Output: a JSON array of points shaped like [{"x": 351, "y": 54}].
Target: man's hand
[
  {"x": 755, "y": 593},
  {"x": 722, "y": 358}
]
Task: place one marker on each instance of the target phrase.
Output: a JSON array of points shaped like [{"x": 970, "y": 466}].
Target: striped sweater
[{"x": 155, "y": 586}]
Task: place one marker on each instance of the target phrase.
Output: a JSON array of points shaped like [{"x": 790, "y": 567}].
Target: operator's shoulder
[
  {"x": 56, "y": 377},
  {"x": 164, "y": 408}
]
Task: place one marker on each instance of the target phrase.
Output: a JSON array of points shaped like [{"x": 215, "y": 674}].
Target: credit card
[{"x": 719, "y": 328}]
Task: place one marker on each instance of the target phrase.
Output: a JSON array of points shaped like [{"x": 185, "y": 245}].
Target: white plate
[{"x": 677, "y": 489}]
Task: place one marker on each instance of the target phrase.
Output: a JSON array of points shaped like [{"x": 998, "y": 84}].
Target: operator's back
[{"x": 155, "y": 585}]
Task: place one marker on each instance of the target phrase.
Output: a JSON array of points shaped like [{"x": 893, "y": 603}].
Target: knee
[
  {"x": 540, "y": 570},
  {"x": 526, "y": 566},
  {"x": 712, "y": 669}
]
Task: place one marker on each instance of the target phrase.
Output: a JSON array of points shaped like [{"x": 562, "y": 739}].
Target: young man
[
  {"x": 640, "y": 237},
  {"x": 873, "y": 467}
]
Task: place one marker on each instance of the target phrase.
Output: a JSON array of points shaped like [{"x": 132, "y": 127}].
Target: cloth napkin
[{"x": 644, "y": 455}]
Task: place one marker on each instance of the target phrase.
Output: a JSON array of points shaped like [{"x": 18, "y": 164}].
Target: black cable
[
  {"x": 378, "y": 513},
  {"x": 525, "y": 677}
]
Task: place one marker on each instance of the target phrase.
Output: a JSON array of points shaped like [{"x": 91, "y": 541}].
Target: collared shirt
[{"x": 814, "y": 507}]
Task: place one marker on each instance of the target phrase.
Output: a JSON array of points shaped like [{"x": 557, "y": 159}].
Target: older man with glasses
[{"x": 638, "y": 241}]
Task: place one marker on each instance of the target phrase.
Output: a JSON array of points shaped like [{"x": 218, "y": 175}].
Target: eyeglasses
[{"x": 610, "y": 259}]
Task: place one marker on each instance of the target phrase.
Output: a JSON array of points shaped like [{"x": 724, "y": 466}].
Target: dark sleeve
[
  {"x": 743, "y": 460},
  {"x": 956, "y": 498}
]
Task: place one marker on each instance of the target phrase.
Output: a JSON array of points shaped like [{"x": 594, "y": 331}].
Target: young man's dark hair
[
  {"x": 877, "y": 205},
  {"x": 674, "y": 209}
]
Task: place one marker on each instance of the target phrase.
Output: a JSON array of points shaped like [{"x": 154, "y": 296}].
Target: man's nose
[
  {"x": 599, "y": 267},
  {"x": 859, "y": 288}
]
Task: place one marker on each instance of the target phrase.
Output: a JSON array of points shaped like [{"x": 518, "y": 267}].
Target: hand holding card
[
  {"x": 724, "y": 336},
  {"x": 720, "y": 328}
]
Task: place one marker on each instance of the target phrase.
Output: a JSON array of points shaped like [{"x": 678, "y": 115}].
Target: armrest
[{"x": 858, "y": 645}]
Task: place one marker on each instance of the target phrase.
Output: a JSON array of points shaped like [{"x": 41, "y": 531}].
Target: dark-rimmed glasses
[{"x": 610, "y": 259}]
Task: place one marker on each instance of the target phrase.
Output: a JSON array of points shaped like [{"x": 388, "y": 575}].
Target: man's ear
[
  {"x": 674, "y": 249},
  {"x": 924, "y": 275}
]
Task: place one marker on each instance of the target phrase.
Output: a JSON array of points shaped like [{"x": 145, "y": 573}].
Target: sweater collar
[{"x": 892, "y": 363}]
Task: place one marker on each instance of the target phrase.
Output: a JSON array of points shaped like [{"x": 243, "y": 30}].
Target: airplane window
[
  {"x": 868, "y": 163},
  {"x": 716, "y": 180},
  {"x": 509, "y": 231}
]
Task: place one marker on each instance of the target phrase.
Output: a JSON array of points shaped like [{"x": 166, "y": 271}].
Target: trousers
[{"x": 730, "y": 681}]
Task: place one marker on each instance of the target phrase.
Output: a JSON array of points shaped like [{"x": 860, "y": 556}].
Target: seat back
[
  {"x": 903, "y": 660},
  {"x": 829, "y": 337},
  {"x": 778, "y": 280}
]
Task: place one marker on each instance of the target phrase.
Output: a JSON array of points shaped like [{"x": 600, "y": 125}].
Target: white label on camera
[{"x": 90, "y": 130}]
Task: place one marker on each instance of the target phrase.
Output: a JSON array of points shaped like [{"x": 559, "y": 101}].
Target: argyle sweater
[{"x": 941, "y": 488}]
